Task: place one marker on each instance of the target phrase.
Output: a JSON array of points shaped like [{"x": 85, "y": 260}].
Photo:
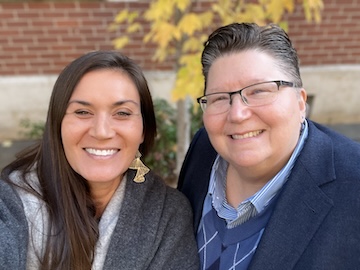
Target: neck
[
  {"x": 101, "y": 194},
  {"x": 239, "y": 187}
]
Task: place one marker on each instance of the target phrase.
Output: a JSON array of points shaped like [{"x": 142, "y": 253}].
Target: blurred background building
[{"x": 37, "y": 39}]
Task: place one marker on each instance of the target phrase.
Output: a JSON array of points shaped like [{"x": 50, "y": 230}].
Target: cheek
[
  {"x": 134, "y": 131},
  {"x": 213, "y": 124},
  {"x": 69, "y": 134},
  {"x": 284, "y": 124}
]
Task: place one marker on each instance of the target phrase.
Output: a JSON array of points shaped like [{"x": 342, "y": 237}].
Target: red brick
[
  {"x": 12, "y": 6},
  {"x": 53, "y": 33}
]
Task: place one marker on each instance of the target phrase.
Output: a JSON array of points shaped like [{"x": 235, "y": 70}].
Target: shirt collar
[{"x": 261, "y": 198}]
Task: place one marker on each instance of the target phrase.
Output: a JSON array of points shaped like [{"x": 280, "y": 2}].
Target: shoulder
[
  {"x": 198, "y": 160},
  {"x": 154, "y": 195},
  {"x": 345, "y": 151},
  {"x": 335, "y": 136},
  {"x": 156, "y": 223},
  {"x": 13, "y": 226},
  {"x": 201, "y": 140},
  {"x": 328, "y": 156},
  {"x": 10, "y": 201},
  {"x": 171, "y": 198}
]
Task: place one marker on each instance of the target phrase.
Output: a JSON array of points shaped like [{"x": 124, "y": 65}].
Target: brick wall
[
  {"x": 335, "y": 41},
  {"x": 41, "y": 38}
]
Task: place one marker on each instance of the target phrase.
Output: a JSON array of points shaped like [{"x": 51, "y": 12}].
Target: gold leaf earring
[{"x": 140, "y": 168}]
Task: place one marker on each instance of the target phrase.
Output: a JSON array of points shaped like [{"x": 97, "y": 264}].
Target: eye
[
  {"x": 216, "y": 98},
  {"x": 123, "y": 114},
  {"x": 83, "y": 113},
  {"x": 256, "y": 91}
]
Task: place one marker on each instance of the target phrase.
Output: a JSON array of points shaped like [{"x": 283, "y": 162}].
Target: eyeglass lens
[{"x": 254, "y": 95}]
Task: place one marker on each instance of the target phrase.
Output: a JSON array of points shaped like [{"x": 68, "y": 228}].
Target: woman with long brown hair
[{"x": 86, "y": 197}]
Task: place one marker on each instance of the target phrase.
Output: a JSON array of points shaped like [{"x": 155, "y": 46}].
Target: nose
[
  {"x": 239, "y": 111},
  {"x": 101, "y": 128}
]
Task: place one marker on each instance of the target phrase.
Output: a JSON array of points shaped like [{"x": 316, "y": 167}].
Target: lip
[
  {"x": 106, "y": 152},
  {"x": 247, "y": 135}
]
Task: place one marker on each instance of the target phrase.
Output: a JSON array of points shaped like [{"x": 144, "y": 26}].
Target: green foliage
[
  {"x": 163, "y": 157},
  {"x": 32, "y": 130}
]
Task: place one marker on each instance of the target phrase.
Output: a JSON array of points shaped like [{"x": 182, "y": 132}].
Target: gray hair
[{"x": 237, "y": 37}]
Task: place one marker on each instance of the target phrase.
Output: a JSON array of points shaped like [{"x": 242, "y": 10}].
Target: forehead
[
  {"x": 240, "y": 69},
  {"x": 106, "y": 84}
]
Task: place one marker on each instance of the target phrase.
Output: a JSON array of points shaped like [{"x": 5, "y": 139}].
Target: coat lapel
[
  {"x": 128, "y": 228},
  {"x": 301, "y": 206}
]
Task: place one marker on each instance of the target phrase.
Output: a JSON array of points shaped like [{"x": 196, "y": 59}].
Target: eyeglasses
[{"x": 254, "y": 95}]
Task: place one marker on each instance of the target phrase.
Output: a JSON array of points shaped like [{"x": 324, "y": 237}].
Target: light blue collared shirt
[{"x": 216, "y": 192}]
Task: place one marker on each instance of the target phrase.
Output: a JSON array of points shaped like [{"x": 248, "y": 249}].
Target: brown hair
[{"x": 66, "y": 193}]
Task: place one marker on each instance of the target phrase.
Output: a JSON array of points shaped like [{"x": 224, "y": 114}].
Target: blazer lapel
[
  {"x": 127, "y": 228},
  {"x": 301, "y": 206}
]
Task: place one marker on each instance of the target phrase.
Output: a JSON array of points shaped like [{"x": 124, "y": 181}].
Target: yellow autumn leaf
[
  {"x": 134, "y": 28},
  {"x": 206, "y": 18},
  {"x": 132, "y": 16},
  {"x": 182, "y": 5},
  {"x": 161, "y": 34},
  {"x": 277, "y": 8},
  {"x": 254, "y": 13},
  {"x": 222, "y": 10},
  {"x": 184, "y": 88},
  {"x": 121, "y": 16},
  {"x": 189, "y": 80},
  {"x": 177, "y": 32},
  {"x": 289, "y": 5},
  {"x": 192, "y": 44},
  {"x": 284, "y": 25},
  {"x": 160, "y": 10},
  {"x": 161, "y": 54},
  {"x": 190, "y": 23},
  {"x": 312, "y": 9},
  {"x": 191, "y": 59},
  {"x": 120, "y": 42}
]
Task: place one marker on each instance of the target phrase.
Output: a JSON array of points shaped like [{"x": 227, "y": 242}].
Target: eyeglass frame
[{"x": 278, "y": 83}]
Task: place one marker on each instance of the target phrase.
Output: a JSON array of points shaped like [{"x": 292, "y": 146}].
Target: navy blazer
[{"x": 316, "y": 220}]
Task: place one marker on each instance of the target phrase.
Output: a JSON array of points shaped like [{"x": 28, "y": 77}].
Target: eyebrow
[{"x": 118, "y": 103}]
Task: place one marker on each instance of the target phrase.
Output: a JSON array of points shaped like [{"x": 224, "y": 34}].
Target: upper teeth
[
  {"x": 247, "y": 135},
  {"x": 100, "y": 152}
]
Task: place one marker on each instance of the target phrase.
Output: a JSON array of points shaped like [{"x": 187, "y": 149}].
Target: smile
[
  {"x": 247, "y": 135},
  {"x": 97, "y": 152}
]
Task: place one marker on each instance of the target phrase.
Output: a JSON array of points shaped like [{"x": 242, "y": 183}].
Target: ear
[{"x": 302, "y": 104}]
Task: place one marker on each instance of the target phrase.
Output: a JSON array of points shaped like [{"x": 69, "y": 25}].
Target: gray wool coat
[
  {"x": 154, "y": 229},
  {"x": 13, "y": 229}
]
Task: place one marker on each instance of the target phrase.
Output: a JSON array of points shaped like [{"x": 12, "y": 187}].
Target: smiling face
[
  {"x": 102, "y": 128},
  {"x": 256, "y": 141}
]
